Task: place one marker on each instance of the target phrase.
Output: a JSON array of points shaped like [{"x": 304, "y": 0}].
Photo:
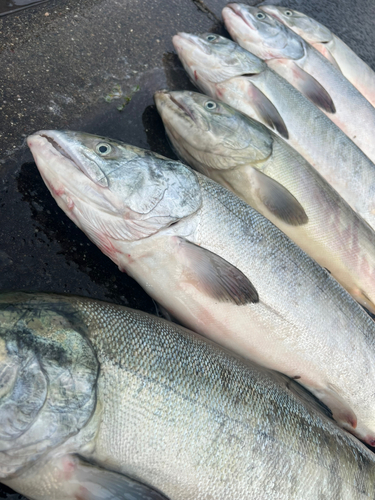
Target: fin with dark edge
[
  {"x": 309, "y": 87},
  {"x": 215, "y": 276},
  {"x": 79, "y": 480},
  {"x": 308, "y": 398},
  {"x": 266, "y": 111},
  {"x": 278, "y": 200}
]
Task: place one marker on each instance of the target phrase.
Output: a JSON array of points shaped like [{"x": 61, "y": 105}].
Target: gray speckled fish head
[
  {"x": 305, "y": 26},
  {"x": 48, "y": 373},
  {"x": 208, "y": 132},
  {"x": 260, "y": 33},
  {"x": 209, "y": 58},
  {"x": 111, "y": 189}
]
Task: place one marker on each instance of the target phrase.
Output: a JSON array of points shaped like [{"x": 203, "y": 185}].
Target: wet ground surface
[{"x": 73, "y": 64}]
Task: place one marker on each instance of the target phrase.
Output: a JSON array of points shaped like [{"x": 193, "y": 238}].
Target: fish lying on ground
[
  {"x": 93, "y": 394},
  {"x": 218, "y": 266},
  {"x": 306, "y": 69},
  {"x": 223, "y": 69},
  {"x": 330, "y": 46},
  {"x": 247, "y": 158}
]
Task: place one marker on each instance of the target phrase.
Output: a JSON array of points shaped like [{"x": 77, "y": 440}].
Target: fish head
[
  {"x": 112, "y": 190},
  {"x": 209, "y": 59},
  {"x": 312, "y": 31},
  {"x": 208, "y": 133},
  {"x": 46, "y": 366},
  {"x": 260, "y": 33}
]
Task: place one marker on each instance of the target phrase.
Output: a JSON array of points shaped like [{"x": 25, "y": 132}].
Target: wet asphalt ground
[{"x": 93, "y": 65}]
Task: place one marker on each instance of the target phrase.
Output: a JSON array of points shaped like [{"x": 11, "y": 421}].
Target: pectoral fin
[
  {"x": 278, "y": 200},
  {"x": 266, "y": 111},
  {"x": 311, "y": 88},
  {"x": 215, "y": 276},
  {"x": 70, "y": 478},
  {"x": 102, "y": 484}
]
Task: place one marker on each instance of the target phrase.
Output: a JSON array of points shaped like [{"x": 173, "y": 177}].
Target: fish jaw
[
  {"x": 62, "y": 177},
  {"x": 239, "y": 25},
  {"x": 178, "y": 119},
  {"x": 58, "y": 171},
  {"x": 187, "y": 125},
  {"x": 260, "y": 33},
  {"x": 172, "y": 107},
  {"x": 189, "y": 50}
]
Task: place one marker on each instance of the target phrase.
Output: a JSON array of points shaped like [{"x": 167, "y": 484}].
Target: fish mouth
[
  {"x": 173, "y": 102},
  {"x": 233, "y": 8},
  {"x": 64, "y": 143},
  {"x": 58, "y": 148},
  {"x": 180, "y": 105},
  {"x": 60, "y": 145}
]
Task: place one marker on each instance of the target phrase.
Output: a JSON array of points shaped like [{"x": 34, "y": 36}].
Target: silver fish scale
[
  {"x": 243, "y": 227},
  {"x": 190, "y": 419},
  {"x": 324, "y": 146}
]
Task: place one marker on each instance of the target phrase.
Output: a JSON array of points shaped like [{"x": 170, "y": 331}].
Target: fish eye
[
  {"x": 288, "y": 13},
  {"x": 210, "y": 105},
  {"x": 260, "y": 15},
  {"x": 103, "y": 148},
  {"x": 211, "y": 38}
]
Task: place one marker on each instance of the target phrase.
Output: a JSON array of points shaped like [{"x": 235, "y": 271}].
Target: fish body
[
  {"x": 218, "y": 266},
  {"x": 246, "y": 157},
  {"x": 306, "y": 69},
  {"x": 148, "y": 410},
  {"x": 330, "y": 46},
  {"x": 225, "y": 71}
]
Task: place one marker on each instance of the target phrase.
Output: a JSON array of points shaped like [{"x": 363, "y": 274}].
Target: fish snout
[
  {"x": 161, "y": 97},
  {"x": 187, "y": 42},
  {"x": 233, "y": 11}
]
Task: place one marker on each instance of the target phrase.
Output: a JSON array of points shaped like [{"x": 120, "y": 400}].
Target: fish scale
[{"x": 186, "y": 417}]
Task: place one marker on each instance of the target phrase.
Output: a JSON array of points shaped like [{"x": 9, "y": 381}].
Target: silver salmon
[
  {"x": 226, "y": 71},
  {"x": 101, "y": 402},
  {"x": 218, "y": 266},
  {"x": 260, "y": 168},
  {"x": 330, "y": 46},
  {"x": 306, "y": 69}
]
